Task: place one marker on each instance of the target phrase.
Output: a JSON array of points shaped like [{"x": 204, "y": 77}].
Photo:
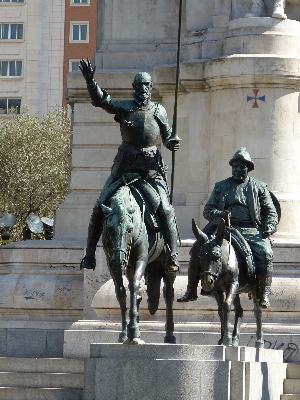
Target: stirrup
[{"x": 88, "y": 262}]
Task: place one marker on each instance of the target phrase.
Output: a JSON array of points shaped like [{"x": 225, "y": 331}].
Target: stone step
[
  {"x": 58, "y": 365},
  {"x": 291, "y": 386},
  {"x": 290, "y": 397},
  {"x": 12, "y": 393},
  {"x": 293, "y": 371},
  {"x": 41, "y": 379}
]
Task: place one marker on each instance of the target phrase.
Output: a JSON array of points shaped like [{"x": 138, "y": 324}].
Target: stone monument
[{"x": 239, "y": 87}]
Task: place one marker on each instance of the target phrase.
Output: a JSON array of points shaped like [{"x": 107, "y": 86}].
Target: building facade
[
  {"x": 40, "y": 42},
  {"x": 31, "y": 54},
  {"x": 80, "y": 34}
]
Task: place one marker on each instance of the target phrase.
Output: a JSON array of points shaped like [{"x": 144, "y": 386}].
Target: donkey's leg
[
  {"x": 259, "y": 343},
  {"x": 169, "y": 299},
  {"x": 133, "y": 331},
  {"x": 230, "y": 296},
  {"x": 220, "y": 300},
  {"x": 238, "y": 315},
  {"x": 121, "y": 297}
]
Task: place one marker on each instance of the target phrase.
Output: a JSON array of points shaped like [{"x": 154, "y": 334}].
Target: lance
[{"x": 174, "y": 136}]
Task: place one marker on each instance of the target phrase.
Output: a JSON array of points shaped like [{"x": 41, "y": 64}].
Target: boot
[
  {"x": 257, "y": 9},
  {"x": 264, "y": 290},
  {"x": 169, "y": 231},
  {"x": 173, "y": 264},
  {"x": 278, "y": 11},
  {"x": 94, "y": 233}
]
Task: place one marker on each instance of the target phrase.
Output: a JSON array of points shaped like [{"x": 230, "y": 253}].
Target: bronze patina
[
  {"x": 133, "y": 210},
  {"x": 252, "y": 212},
  {"x": 142, "y": 122}
]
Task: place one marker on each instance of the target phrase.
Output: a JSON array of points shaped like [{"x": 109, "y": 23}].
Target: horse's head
[
  {"x": 117, "y": 231},
  {"x": 210, "y": 255}
]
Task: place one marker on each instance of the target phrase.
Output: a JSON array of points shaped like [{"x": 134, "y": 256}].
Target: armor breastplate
[{"x": 140, "y": 128}]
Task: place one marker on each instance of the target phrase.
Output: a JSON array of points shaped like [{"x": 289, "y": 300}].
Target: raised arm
[{"x": 96, "y": 94}]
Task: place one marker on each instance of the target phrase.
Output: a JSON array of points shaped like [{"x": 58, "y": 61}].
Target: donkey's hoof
[
  {"x": 122, "y": 337},
  {"x": 134, "y": 341},
  {"x": 170, "y": 339},
  {"x": 227, "y": 341},
  {"x": 260, "y": 344}
]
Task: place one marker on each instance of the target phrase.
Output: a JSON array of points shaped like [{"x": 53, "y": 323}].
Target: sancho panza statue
[
  {"x": 141, "y": 123},
  {"x": 250, "y": 207}
]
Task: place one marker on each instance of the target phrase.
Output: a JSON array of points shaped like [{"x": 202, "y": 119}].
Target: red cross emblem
[{"x": 255, "y": 98}]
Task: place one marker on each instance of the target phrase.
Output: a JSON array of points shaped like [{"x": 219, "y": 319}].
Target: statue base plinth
[{"x": 118, "y": 371}]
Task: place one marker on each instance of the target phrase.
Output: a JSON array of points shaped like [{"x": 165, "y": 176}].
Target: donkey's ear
[
  {"x": 106, "y": 210},
  {"x": 131, "y": 210},
  {"x": 199, "y": 235},
  {"x": 220, "y": 232}
]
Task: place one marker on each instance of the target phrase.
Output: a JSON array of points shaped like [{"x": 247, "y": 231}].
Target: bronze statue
[
  {"x": 218, "y": 253},
  {"x": 132, "y": 244},
  {"x": 141, "y": 122},
  {"x": 249, "y": 205},
  {"x": 259, "y": 7}
]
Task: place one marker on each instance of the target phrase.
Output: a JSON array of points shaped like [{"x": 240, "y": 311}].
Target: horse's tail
[{"x": 153, "y": 279}]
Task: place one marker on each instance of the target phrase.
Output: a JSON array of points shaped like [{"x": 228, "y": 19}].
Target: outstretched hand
[{"x": 87, "y": 70}]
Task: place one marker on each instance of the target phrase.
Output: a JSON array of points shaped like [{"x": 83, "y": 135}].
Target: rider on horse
[
  {"x": 252, "y": 213},
  {"x": 141, "y": 123}
]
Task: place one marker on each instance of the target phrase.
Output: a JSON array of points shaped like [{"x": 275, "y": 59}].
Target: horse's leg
[
  {"x": 238, "y": 315},
  {"x": 231, "y": 294},
  {"x": 121, "y": 297},
  {"x": 259, "y": 343},
  {"x": 220, "y": 300},
  {"x": 169, "y": 298},
  {"x": 153, "y": 276},
  {"x": 133, "y": 331}
]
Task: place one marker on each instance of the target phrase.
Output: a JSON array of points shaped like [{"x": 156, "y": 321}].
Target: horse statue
[
  {"x": 224, "y": 275},
  {"x": 131, "y": 246}
]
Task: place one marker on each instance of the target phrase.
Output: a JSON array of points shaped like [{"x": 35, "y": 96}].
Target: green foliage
[{"x": 34, "y": 165}]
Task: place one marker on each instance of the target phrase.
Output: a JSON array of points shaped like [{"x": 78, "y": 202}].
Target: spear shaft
[{"x": 174, "y": 136}]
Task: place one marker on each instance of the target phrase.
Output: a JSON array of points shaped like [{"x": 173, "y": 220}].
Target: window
[
  {"x": 11, "y": 31},
  {"x": 74, "y": 65},
  {"x": 79, "y": 32},
  {"x": 7, "y": 104},
  {"x": 80, "y": 2},
  {"x": 11, "y": 1},
  {"x": 10, "y": 68}
]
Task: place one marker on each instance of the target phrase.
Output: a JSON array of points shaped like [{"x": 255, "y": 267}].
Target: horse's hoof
[
  {"x": 134, "y": 341},
  {"x": 170, "y": 339},
  {"x": 220, "y": 341},
  {"x": 122, "y": 337},
  {"x": 235, "y": 342},
  {"x": 260, "y": 344},
  {"x": 133, "y": 332}
]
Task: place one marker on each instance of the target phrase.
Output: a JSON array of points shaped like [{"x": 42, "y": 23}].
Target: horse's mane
[{"x": 120, "y": 201}]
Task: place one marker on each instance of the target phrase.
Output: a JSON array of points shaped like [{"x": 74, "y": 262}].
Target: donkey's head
[{"x": 210, "y": 255}]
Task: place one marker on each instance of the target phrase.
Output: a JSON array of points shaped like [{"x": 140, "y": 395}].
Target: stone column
[{"x": 255, "y": 103}]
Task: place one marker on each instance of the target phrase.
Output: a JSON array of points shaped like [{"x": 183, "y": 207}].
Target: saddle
[{"x": 145, "y": 195}]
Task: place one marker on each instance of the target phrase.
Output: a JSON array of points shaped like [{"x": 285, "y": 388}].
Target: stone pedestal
[
  {"x": 196, "y": 322},
  {"x": 184, "y": 372}
]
